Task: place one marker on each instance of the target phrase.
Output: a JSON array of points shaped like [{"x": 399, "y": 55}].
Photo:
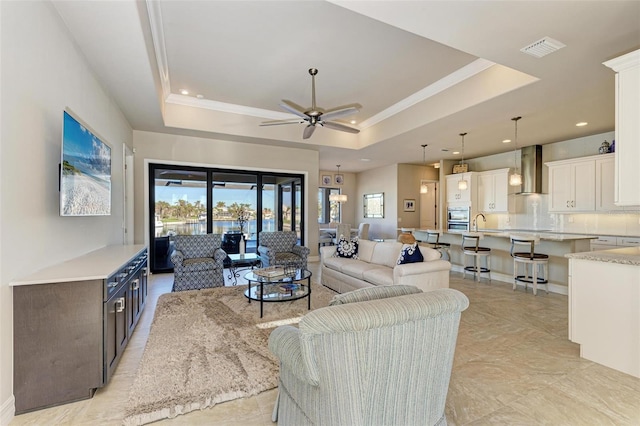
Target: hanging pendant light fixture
[
  {"x": 340, "y": 198},
  {"x": 423, "y": 185},
  {"x": 462, "y": 183},
  {"x": 515, "y": 179}
]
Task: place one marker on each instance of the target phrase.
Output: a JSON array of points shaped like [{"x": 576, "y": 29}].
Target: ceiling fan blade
[
  {"x": 339, "y": 112},
  {"x": 293, "y": 108},
  {"x": 308, "y": 131},
  {"x": 278, "y": 122},
  {"x": 337, "y": 126}
]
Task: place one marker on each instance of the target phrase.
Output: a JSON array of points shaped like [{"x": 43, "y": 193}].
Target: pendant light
[
  {"x": 462, "y": 183},
  {"x": 423, "y": 185},
  {"x": 340, "y": 198},
  {"x": 515, "y": 179}
]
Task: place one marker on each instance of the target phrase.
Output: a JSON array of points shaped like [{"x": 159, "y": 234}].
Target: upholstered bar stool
[
  {"x": 433, "y": 241},
  {"x": 539, "y": 263},
  {"x": 471, "y": 247}
]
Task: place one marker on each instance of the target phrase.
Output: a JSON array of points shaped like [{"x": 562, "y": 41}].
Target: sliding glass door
[{"x": 196, "y": 200}]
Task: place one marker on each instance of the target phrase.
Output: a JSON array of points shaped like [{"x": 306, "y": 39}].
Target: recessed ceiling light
[
  {"x": 365, "y": 159},
  {"x": 506, "y": 141},
  {"x": 184, "y": 92},
  {"x": 456, "y": 152},
  {"x": 353, "y": 121},
  {"x": 582, "y": 123},
  {"x": 199, "y": 96},
  {"x": 436, "y": 165}
]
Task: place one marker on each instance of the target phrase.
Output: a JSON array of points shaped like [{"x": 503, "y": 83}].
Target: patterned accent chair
[
  {"x": 198, "y": 262},
  {"x": 281, "y": 248},
  {"x": 369, "y": 359}
]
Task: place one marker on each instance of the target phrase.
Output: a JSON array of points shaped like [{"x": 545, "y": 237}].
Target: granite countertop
[
  {"x": 624, "y": 255},
  {"x": 542, "y": 234}
]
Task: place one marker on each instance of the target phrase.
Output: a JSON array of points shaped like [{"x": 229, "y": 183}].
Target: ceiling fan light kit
[{"x": 315, "y": 116}]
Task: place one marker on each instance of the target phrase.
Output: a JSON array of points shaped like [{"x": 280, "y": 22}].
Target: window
[{"x": 328, "y": 211}]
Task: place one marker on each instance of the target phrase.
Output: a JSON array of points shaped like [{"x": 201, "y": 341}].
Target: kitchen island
[
  {"x": 554, "y": 244},
  {"x": 604, "y": 307}
]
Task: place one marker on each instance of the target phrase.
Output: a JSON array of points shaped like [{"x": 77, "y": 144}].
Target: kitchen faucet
[{"x": 475, "y": 223}]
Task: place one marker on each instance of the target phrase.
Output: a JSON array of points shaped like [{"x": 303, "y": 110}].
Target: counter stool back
[
  {"x": 539, "y": 263},
  {"x": 471, "y": 247},
  {"x": 433, "y": 241}
]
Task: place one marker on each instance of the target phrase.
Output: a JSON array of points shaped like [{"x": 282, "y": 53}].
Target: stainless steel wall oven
[{"x": 458, "y": 218}]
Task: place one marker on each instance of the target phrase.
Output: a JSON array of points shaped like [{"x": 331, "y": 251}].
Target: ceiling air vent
[{"x": 542, "y": 47}]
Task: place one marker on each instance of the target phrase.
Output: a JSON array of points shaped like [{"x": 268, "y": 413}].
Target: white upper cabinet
[
  {"x": 572, "y": 185},
  {"x": 493, "y": 191},
  {"x": 605, "y": 188},
  {"x": 461, "y": 196},
  {"x": 627, "y": 172}
]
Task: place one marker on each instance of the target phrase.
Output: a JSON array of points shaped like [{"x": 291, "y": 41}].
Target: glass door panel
[
  {"x": 180, "y": 205},
  {"x": 234, "y": 209}
]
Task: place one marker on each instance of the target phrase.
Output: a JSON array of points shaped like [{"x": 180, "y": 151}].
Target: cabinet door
[
  {"x": 501, "y": 192},
  {"x": 453, "y": 193},
  {"x": 116, "y": 330},
  {"x": 486, "y": 192},
  {"x": 584, "y": 186},
  {"x": 465, "y": 194},
  {"x": 560, "y": 192},
  {"x": 605, "y": 186},
  {"x": 133, "y": 302}
]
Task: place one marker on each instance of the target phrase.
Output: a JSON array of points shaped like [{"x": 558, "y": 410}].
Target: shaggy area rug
[{"x": 206, "y": 347}]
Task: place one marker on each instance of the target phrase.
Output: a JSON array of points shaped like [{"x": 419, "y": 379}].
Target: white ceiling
[{"x": 423, "y": 71}]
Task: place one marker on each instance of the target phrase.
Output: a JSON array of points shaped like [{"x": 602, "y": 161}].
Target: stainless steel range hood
[{"x": 531, "y": 167}]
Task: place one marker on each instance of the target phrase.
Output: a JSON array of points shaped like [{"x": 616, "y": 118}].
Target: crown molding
[
  {"x": 444, "y": 83},
  {"x": 225, "y": 107},
  {"x": 159, "y": 47}
]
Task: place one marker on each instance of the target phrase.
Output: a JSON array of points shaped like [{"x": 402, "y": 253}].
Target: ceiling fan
[{"x": 315, "y": 115}]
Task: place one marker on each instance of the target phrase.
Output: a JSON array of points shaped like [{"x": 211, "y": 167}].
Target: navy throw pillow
[
  {"x": 347, "y": 248},
  {"x": 410, "y": 253}
]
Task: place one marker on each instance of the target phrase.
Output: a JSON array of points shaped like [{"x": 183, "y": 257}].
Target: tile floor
[{"x": 513, "y": 365}]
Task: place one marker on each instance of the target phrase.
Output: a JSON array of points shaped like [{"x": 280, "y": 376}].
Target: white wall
[
  {"x": 42, "y": 72},
  {"x": 173, "y": 149},
  {"x": 383, "y": 179}
]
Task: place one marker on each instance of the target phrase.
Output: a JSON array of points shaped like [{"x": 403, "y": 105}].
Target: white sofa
[{"x": 377, "y": 265}]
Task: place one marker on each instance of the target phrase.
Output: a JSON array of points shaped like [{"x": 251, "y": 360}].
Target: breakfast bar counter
[
  {"x": 604, "y": 307},
  {"x": 554, "y": 244}
]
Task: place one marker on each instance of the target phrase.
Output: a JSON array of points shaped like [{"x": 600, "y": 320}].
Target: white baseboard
[
  {"x": 553, "y": 287},
  {"x": 7, "y": 411}
]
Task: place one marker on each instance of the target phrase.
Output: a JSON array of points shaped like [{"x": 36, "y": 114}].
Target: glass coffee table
[{"x": 282, "y": 288}]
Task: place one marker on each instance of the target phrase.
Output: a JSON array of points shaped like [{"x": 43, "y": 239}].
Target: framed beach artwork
[
  {"x": 326, "y": 180},
  {"x": 339, "y": 179},
  {"x": 409, "y": 205}
]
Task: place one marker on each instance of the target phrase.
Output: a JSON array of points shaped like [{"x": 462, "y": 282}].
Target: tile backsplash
[{"x": 532, "y": 213}]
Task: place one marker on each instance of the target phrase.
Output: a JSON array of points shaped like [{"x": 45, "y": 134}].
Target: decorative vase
[
  {"x": 242, "y": 244},
  {"x": 605, "y": 148}
]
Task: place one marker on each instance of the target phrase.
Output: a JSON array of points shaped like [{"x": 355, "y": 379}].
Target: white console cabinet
[{"x": 627, "y": 182}]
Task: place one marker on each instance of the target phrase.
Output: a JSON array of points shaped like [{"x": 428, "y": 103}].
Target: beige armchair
[{"x": 382, "y": 356}]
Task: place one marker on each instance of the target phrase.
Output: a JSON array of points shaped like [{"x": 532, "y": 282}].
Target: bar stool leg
[
  {"x": 515, "y": 274},
  {"x": 534, "y": 272}
]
